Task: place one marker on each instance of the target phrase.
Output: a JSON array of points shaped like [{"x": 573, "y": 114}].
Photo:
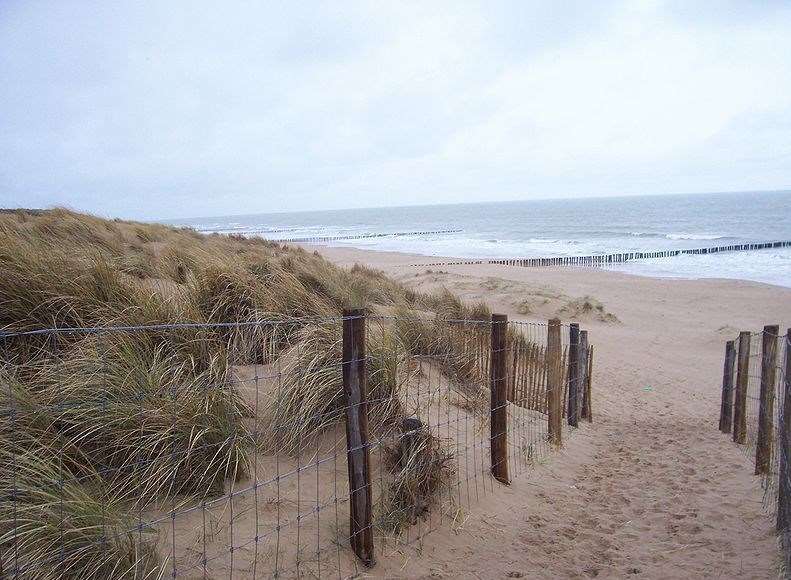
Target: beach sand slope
[{"x": 651, "y": 489}]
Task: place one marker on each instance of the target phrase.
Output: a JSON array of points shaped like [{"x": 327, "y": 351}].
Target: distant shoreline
[
  {"x": 671, "y": 235},
  {"x": 348, "y": 255}
]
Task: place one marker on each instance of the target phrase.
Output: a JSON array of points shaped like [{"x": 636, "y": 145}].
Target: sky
[{"x": 155, "y": 110}]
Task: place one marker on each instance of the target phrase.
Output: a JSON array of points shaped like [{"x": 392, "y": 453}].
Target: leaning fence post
[
  {"x": 784, "y": 449},
  {"x": 554, "y": 383},
  {"x": 354, "y": 388},
  {"x": 742, "y": 377},
  {"x": 726, "y": 407},
  {"x": 574, "y": 374},
  {"x": 499, "y": 405},
  {"x": 587, "y": 405},
  {"x": 763, "y": 446},
  {"x": 582, "y": 365}
]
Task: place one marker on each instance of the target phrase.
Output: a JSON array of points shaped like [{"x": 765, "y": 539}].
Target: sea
[{"x": 556, "y": 227}]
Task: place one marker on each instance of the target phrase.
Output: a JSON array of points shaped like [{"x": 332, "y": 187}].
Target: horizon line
[{"x": 358, "y": 208}]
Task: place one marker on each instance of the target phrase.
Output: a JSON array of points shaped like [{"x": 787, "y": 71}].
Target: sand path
[
  {"x": 659, "y": 496},
  {"x": 647, "y": 491},
  {"x": 651, "y": 489}
]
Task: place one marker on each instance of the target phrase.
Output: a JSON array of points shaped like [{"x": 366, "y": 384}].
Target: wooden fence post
[
  {"x": 572, "y": 414},
  {"x": 763, "y": 446},
  {"x": 498, "y": 381},
  {"x": 726, "y": 407},
  {"x": 742, "y": 378},
  {"x": 587, "y": 404},
  {"x": 582, "y": 365},
  {"x": 784, "y": 452},
  {"x": 354, "y": 389},
  {"x": 554, "y": 383}
]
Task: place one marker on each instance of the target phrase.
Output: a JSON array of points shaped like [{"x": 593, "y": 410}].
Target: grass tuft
[
  {"x": 59, "y": 526},
  {"x": 310, "y": 394},
  {"x": 419, "y": 467}
]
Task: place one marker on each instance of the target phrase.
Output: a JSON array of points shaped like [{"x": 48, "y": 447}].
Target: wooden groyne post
[
  {"x": 355, "y": 379},
  {"x": 498, "y": 382},
  {"x": 601, "y": 259},
  {"x": 763, "y": 446}
]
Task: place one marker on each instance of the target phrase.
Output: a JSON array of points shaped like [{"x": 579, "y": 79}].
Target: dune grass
[
  {"x": 451, "y": 335},
  {"x": 310, "y": 393},
  {"x": 116, "y": 421},
  {"x": 152, "y": 422},
  {"x": 66, "y": 269},
  {"x": 66, "y": 524},
  {"x": 419, "y": 467}
]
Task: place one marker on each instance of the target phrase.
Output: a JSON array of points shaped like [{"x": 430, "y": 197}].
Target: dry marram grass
[{"x": 97, "y": 425}]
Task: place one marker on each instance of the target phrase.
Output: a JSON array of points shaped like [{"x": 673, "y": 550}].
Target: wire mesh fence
[
  {"x": 775, "y": 383},
  {"x": 756, "y": 394},
  {"x": 289, "y": 447},
  {"x": 753, "y": 392}
]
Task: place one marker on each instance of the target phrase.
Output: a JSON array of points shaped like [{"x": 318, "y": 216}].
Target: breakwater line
[
  {"x": 361, "y": 236},
  {"x": 604, "y": 259}
]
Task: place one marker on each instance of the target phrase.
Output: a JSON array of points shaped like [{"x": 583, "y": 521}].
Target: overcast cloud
[{"x": 180, "y": 109}]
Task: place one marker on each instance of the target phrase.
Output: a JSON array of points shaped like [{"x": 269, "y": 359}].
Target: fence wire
[
  {"x": 203, "y": 451},
  {"x": 770, "y": 481},
  {"x": 767, "y": 364},
  {"x": 753, "y": 407},
  {"x": 753, "y": 392}
]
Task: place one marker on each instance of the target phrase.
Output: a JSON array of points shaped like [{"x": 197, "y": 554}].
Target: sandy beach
[
  {"x": 651, "y": 488},
  {"x": 395, "y": 290}
]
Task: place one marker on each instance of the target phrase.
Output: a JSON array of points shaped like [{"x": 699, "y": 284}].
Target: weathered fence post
[
  {"x": 784, "y": 451},
  {"x": 726, "y": 408},
  {"x": 554, "y": 383},
  {"x": 498, "y": 381},
  {"x": 574, "y": 375},
  {"x": 742, "y": 378},
  {"x": 763, "y": 446},
  {"x": 354, "y": 389},
  {"x": 582, "y": 365},
  {"x": 587, "y": 405}
]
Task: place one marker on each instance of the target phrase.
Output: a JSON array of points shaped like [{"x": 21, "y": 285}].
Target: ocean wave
[
  {"x": 694, "y": 237},
  {"x": 663, "y": 236},
  {"x": 771, "y": 266}
]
